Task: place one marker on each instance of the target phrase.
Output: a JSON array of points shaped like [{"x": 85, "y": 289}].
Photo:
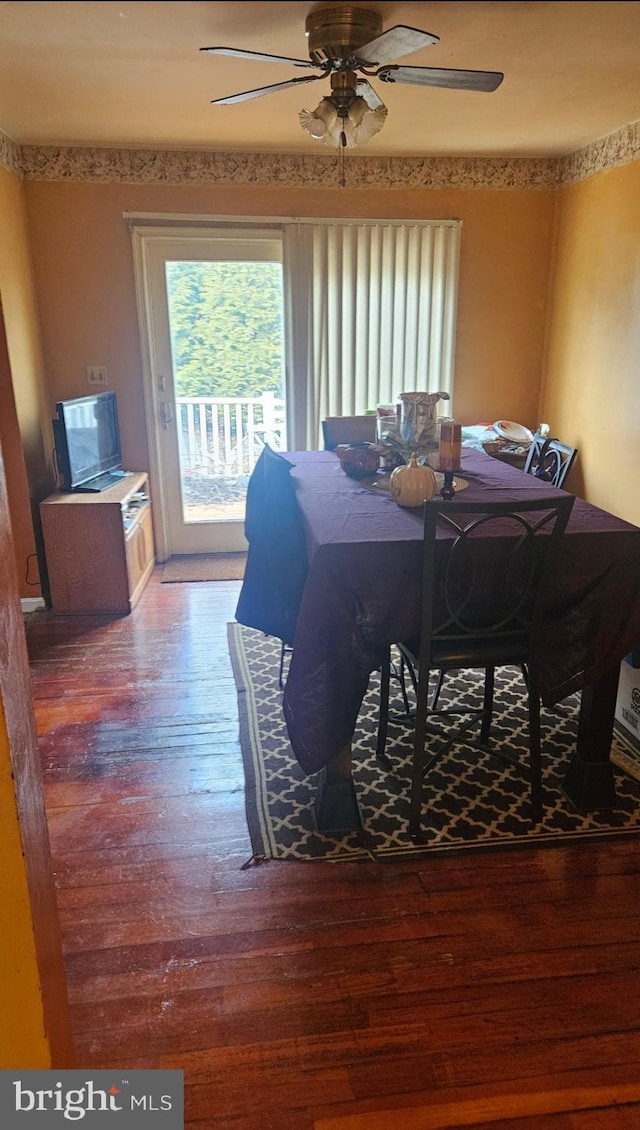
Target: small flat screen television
[{"x": 87, "y": 440}]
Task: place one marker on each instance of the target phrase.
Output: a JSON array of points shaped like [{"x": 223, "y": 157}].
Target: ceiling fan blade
[
  {"x": 442, "y": 76},
  {"x": 258, "y": 56},
  {"x": 246, "y": 95},
  {"x": 397, "y": 41},
  {"x": 365, "y": 90}
]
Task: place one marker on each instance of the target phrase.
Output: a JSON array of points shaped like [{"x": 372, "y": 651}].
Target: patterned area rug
[
  {"x": 475, "y": 801},
  {"x": 204, "y": 567}
]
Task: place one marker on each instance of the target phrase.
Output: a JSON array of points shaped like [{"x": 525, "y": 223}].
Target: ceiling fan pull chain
[{"x": 342, "y": 176}]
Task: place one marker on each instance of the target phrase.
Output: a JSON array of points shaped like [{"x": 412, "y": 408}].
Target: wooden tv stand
[{"x": 99, "y": 547}]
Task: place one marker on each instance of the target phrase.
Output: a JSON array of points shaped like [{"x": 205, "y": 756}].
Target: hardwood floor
[{"x": 501, "y": 991}]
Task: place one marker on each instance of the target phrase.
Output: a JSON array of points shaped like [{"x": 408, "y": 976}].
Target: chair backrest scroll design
[
  {"x": 550, "y": 460},
  {"x": 486, "y": 573}
]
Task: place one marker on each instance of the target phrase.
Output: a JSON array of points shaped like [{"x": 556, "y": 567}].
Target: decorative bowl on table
[{"x": 358, "y": 460}]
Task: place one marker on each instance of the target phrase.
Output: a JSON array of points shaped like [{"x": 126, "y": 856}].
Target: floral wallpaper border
[
  {"x": 607, "y": 153},
  {"x": 10, "y": 154},
  {"x": 209, "y": 167},
  {"x": 183, "y": 166}
]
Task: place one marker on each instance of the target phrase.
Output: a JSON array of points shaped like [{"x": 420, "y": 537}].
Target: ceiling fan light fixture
[
  {"x": 317, "y": 128},
  {"x": 365, "y": 121},
  {"x": 319, "y": 122},
  {"x": 345, "y": 130}
]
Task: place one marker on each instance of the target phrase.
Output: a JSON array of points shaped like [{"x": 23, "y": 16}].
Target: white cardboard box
[{"x": 628, "y": 701}]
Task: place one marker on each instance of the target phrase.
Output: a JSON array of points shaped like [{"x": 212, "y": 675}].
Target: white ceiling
[{"x": 131, "y": 74}]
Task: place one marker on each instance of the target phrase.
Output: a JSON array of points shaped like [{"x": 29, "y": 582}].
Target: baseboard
[{"x": 32, "y": 603}]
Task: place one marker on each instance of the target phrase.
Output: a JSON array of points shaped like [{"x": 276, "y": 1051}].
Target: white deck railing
[{"x": 222, "y": 437}]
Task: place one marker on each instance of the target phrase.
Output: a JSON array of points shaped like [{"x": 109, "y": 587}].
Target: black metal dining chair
[
  {"x": 348, "y": 429},
  {"x": 547, "y": 459},
  {"x": 486, "y": 572},
  {"x": 550, "y": 460}
]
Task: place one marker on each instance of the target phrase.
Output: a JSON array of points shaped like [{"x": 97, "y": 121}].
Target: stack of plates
[{"x": 515, "y": 433}]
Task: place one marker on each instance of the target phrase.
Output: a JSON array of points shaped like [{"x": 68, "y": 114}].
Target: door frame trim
[{"x": 140, "y": 239}]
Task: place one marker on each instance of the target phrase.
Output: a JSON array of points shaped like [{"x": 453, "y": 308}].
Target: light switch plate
[{"x": 96, "y": 375}]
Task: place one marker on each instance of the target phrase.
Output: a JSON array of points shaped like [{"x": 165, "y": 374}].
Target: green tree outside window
[{"x": 226, "y": 328}]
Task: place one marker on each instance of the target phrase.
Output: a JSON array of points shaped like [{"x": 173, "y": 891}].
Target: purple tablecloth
[{"x": 363, "y": 592}]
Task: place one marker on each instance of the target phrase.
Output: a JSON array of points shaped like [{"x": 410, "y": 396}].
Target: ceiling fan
[{"x": 348, "y": 46}]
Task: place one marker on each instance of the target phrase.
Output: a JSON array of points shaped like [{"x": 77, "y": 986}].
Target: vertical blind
[{"x": 371, "y": 313}]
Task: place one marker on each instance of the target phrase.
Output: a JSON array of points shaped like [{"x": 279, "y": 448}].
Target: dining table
[{"x": 334, "y": 569}]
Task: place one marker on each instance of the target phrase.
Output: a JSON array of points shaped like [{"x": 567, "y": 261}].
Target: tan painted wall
[
  {"x": 22, "y": 391},
  {"x": 85, "y": 284},
  {"x": 591, "y": 395}
]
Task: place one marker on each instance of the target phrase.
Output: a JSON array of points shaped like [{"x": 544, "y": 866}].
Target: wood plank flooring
[{"x": 498, "y": 992}]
